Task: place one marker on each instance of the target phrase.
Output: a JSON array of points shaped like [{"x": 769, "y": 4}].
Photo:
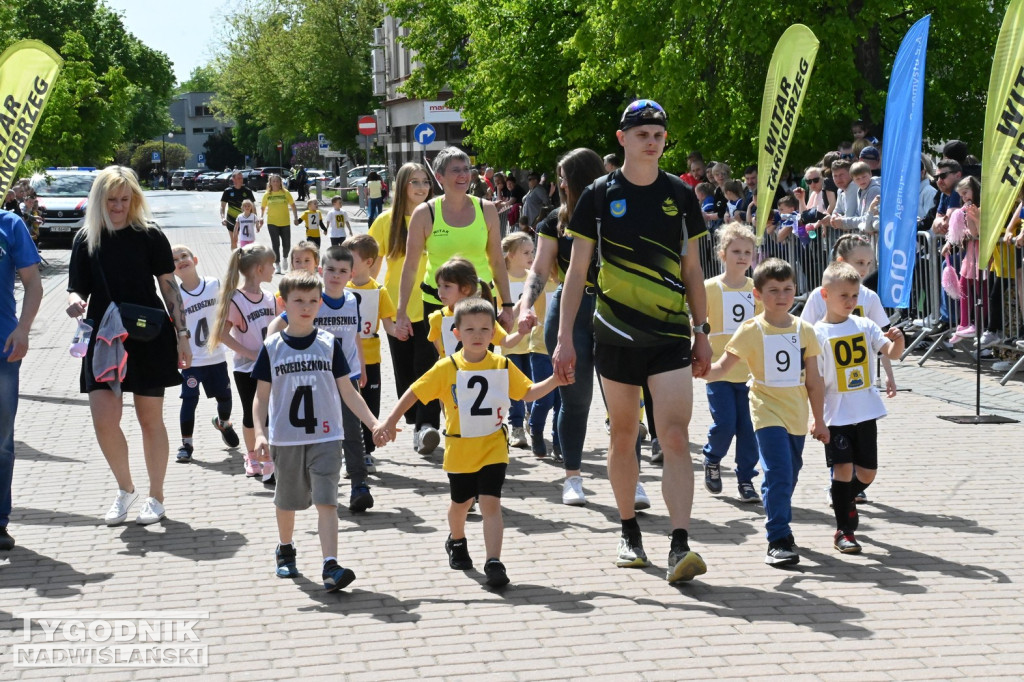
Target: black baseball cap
[
  {"x": 870, "y": 153},
  {"x": 643, "y": 112}
]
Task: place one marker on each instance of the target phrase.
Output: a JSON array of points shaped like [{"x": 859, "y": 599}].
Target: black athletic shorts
[
  {"x": 634, "y": 364},
  {"x": 855, "y": 444},
  {"x": 487, "y": 481}
]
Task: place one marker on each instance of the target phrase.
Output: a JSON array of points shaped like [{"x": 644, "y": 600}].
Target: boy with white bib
[
  {"x": 475, "y": 386},
  {"x": 778, "y": 349},
  {"x": 303, "y": 377},
  {"x": 849, "y": 345}
]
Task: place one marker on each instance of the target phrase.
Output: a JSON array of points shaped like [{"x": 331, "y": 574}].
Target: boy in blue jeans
[{"x": 780, "y": 351}]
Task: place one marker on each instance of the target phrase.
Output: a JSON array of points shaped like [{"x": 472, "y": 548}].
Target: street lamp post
[{"x": 163, "y": 154}]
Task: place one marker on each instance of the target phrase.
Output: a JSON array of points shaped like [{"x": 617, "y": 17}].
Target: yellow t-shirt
[
  {"x": 778, "y": 396},
  {"x": 381, "y": 232},
  {"x": 466, "y": 455},
  {"x": 374, "y": 305},
  {"x": 314, "y": 222},
  {"x": 276, "y": 204},
  {"x": 728, "y": 308},
  {"x": 442, "y": 322}
]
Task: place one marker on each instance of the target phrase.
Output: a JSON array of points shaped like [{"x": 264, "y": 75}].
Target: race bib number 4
[
  {"x": 850, "y": 354},
  {"x": 483, "y": 401},
  {"x": 782, "y": 360}
]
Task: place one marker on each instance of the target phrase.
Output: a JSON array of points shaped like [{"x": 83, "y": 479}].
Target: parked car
[
  {"x": 188, "y": 179},
  {"x": 314, "y": 174},
  {"x": 219, "y": 182},
  {"x": 357, "y": 176},
  {"x": 257, "y": 180},
  {"x": 62, "y": 197},
  {"x": 203, "y": 178},
  {"x": 177, "y": 179}
]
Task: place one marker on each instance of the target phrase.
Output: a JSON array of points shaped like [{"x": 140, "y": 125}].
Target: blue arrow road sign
[{"x": 424, "y": 133}]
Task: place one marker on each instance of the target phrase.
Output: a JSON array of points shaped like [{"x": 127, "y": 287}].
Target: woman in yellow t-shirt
[
  {"x": 274, "y": 213},
  {"x": 411, "y": 355},
  {"x": 375, "y": 193}
]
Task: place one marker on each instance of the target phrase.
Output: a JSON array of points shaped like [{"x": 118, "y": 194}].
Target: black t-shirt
[
  {"x": 548, "y": 229},
  {"x": 130, "y": 260},
  {"x": 640, "y": 292},
  {"x": 518, "y": 193},
  {"x": 234, "y": 198}
]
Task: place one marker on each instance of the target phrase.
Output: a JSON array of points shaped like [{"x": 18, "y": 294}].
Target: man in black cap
[
  {"x": 957, "y": 151},
  {"x": 643, "y": 223},
  {"x": 873, "y": 158}
]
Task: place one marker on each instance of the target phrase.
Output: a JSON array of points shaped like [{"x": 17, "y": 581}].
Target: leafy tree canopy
[
  {"x": 293, "y": 69},
  {"x": 536, "y": 79},
  {"x": 202, "y": 79}
]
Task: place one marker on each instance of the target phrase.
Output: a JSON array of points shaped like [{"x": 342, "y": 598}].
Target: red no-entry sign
[{"x": 367, "y": 125}]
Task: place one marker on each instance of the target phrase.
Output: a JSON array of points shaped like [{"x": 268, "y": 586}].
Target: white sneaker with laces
[
  {"x": 429, "y": 440},
  {"x": 990, "y": 338},
  {"x": 119, "y": 510},
  {"x": 640, "y": 500},
  {"x": 518, "y": 437},
  {"x": 151, "y": 512},
  {"x": 572, "y": 492}
]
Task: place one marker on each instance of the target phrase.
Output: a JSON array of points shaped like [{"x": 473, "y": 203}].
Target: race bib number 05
[{"x": 851, "y": 359}]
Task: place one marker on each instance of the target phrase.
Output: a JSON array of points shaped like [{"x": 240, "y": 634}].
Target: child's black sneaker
[
  {"x": 781, "y": 553},
  {"x": 361, "y": 499},
  {"x": 496, "y": 574},
  {"x": 184, "y": 455},
  {"x": 285, "y": 555},
  {"x": 336, "y": 577},
  {"x": 6, "y": 541},
  {"x": 537, "y": 444},
  {"x": 845, "y": 542},
  {"x": 458, "y": 554},
  {"x": 227, "y": 432},
  {"x": 713, "y": 478}
]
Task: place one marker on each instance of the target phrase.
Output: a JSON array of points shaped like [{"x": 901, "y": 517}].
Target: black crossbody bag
[{"x": 142, "y": 322}]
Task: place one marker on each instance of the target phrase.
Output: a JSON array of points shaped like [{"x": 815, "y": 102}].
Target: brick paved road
[{"x": 933, "y": 596}]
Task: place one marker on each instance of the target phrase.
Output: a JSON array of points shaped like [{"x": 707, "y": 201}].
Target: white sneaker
[
  {"x": 429, "y": 440},
  {"x": 1002, "y": 366},
  {"x": 572, "y": 492},
  {"x": 151, "y": 512},
  {"x": 371, "y": 464},
  {"x": 119, "y": 510},
  {"x": 989, "y": 338},
  {"x": 277, "y": 269},
  {"x": 641, "y": 501},
  {"x": 518, "y": 437}
]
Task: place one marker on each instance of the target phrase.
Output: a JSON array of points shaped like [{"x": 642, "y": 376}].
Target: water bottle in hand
[{"x": 80, "y": 343}]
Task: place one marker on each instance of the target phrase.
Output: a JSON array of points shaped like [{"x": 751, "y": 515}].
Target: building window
[
  {"x": 203, "y": 131},
  {"x": 203, "y": 110}
]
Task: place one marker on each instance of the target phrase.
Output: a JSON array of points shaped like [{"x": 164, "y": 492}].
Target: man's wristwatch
[
  {"x": 508, "y": 305},
  {"x": 184, "y": 333},
  {"x": 704, "y": 329}
]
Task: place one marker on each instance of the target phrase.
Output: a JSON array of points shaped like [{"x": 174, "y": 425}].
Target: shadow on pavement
[
  {"x": 50, "y": 578},
  {"x": 29, "y": 453},
  {"x": 401, "y": 519},
  {"x": 180, "y": 539},
  {"x": 957, "y": 524},
  {"x": 27, "y": 516}
]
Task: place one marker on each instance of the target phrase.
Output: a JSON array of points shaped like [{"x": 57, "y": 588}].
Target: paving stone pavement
[{"x": 933, "y": 596}]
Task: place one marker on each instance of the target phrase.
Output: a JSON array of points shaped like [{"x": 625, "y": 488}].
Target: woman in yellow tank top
[
  {"x": 274, "y": 208},
  {"x": 454, "y": 225}
]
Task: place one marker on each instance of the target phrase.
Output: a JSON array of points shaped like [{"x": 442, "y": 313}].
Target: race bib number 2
[{"x": 483, "y": 401}]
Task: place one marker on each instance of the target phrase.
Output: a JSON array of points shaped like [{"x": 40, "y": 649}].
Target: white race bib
[
  {"x": 483, "y": 401},
  {"x": 448, "y": 340},
  {"x": 369, "y": 307},
  {"x": 737, "y": 308},
  {"x": 782, "y": 360}
]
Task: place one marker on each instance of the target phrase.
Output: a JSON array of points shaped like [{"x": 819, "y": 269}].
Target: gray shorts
[{"x": 306, "y": 474}]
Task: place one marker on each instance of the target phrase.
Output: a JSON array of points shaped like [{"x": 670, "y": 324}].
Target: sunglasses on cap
[{"x": 643, "y": 112}]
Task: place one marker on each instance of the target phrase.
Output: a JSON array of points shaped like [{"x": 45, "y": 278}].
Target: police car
[{"x": 62, "y": 195}]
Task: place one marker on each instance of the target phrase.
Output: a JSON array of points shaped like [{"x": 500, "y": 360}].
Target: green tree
[
  {"x": 221, "y": 151},
  {"x": 296, "y": 68},
  {"x": 175, "y": 156},
  {"x": 535, "y": 79},
  {"x": 202, "y": 79}
]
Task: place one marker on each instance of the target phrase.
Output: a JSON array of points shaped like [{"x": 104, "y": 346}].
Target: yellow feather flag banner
[
  {"x": 28, "y": 70},
  {"x": 784, "y": 90},
  {"x": 1002, "y": 159}
]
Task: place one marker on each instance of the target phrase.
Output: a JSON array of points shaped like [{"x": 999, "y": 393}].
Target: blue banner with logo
[{"x": 901, "y": 168}]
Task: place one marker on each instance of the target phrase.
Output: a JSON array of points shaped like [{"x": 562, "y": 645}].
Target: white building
[
  {"x": 391, "y": 65},
  {"x": 194, "y": 122}
]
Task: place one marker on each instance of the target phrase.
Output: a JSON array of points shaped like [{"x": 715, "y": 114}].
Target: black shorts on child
[
  {"x": 855, "y": 444},
  {"x": 487, "y": 481},
  {"x": 213, "y": 378},
  {"x": 634, "y": 364}
]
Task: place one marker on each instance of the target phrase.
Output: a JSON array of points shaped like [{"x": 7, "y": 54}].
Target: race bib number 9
[
  {"x": 782, "y": 360},
  {"x": 483, "y": 401},
  {"x": 737, "y": 308},
  {"x": 851, "y": 359}
]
